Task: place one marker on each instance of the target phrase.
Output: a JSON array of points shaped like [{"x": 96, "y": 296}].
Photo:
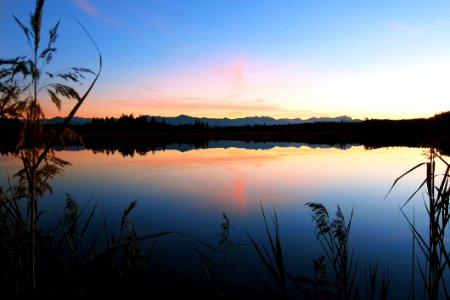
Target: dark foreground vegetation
[{"x": 70, "y": 259}]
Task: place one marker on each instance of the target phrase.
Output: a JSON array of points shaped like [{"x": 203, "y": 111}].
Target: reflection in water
[
  {"x": 141, "y": 147},
  {"x": 188, "y": 191}
]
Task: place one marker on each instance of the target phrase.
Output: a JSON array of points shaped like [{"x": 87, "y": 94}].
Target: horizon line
[{"x": 255, "y": 116}]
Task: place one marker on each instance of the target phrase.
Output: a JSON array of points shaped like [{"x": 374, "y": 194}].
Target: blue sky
[{"x": 383, "y": 59}]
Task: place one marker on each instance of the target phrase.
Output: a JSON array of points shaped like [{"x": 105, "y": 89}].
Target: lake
[{"x": 185, "y": 190}]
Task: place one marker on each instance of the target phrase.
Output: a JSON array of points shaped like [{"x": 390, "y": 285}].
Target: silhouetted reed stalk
[
  {"x": 61, "y": 262},
  {"x": 318, "y": 287},
  {"x": 214, "y": 259},
  {"x": 70, "y": 263},
  {"x": 272, "y": 258},
  {"x": 334, "y": 236},
  {"x": 433, "y": 244},
  {"x": 375, "y": 281},
  {"x": 22, "y": 79}
]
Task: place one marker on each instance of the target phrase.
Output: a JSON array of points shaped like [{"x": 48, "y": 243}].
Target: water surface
[{"x": 187, "y": 190}]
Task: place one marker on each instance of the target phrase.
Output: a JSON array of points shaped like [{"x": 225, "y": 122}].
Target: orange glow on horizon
[
  {"x": 241, "y": 85},
  {"x": 116, "y": 109}
]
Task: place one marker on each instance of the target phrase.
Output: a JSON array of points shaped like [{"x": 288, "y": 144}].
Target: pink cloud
[
  {"x": 403, "y": 27},
  {"x": 86, "y": 7},
  {"x": 216, "y": 76},
  {"x": 232, "y": 85},
  {"x": 90, "y": 9},
  {"x": 233, "y": 72},
  {"x": 235, "y": 77}
]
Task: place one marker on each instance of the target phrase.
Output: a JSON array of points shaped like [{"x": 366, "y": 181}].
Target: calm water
[{"x": 187, "y": 192}]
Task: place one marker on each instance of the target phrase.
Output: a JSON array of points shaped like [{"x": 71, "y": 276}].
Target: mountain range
[{"x": 220, "y": 122}]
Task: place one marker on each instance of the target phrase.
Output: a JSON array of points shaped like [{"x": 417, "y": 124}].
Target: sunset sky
[{"x": 211, "y": 58}]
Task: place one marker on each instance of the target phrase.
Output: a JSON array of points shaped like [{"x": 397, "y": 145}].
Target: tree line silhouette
[
  {"x": 141, "y": 124},
  {"x": 129, "y": 134}
]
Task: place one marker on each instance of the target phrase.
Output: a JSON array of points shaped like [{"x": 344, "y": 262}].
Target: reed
[
  {"x": 339, "y": 283},
  {"x": 272, "y": 255},
  {"x": 334, "y": 238},
  {"x": 433, "y": 258},
  {"x": 60, "y": 262},
  {"x": 318, "y": 287},
  {"x": 22, "y": 79},
  {"x": 377, "y": 284},
  {"x": 69, "y": 263},
  {"x": 214, "y": 259}
]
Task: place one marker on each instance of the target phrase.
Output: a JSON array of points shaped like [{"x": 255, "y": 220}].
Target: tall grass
[
  {"x": 338, "y": 282},
  {"x": 22, "y": 79},
  {"x": 70, "y": 263},
  {"x": 214, "y": 259},
  {"x": 434, "y": 259},
  {"x": 272, "y": 255},
  {"x": 60, "y": 262},
  {"x": 334, "y": 238},
  {"x": 376, "y": 284}
]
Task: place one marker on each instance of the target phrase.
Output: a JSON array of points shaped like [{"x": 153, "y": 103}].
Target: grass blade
[{"x": 403, "y": 175}]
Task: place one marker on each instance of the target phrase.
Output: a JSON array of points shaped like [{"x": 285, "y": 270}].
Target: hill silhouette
[{"x": 218, "y": 122}]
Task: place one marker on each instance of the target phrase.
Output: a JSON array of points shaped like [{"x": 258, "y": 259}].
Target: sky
[{"x": 229, "y": 58}]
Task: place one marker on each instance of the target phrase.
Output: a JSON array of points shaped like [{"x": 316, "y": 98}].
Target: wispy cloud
[
  {"x": 87, "y": 7},
  {"x": 200, "y": 107},
  {"x": 230, "y": 77},
  {"x": 90, "y": 9},
  {"x": 403, "y": 27},
  {"x": 234, "y": 72},
  {"x": 233, "y": 86}
]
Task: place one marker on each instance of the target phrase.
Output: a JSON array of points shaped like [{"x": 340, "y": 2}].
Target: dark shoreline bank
[{"x": 129, "y": 135}]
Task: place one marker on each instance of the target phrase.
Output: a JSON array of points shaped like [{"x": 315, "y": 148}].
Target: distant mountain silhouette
[
  {"x": 226, "y": 122},
  {"x": 220, "y": 122},
  {"x": 74, "y": 121},
  {"x": 145, "y": 133}
]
